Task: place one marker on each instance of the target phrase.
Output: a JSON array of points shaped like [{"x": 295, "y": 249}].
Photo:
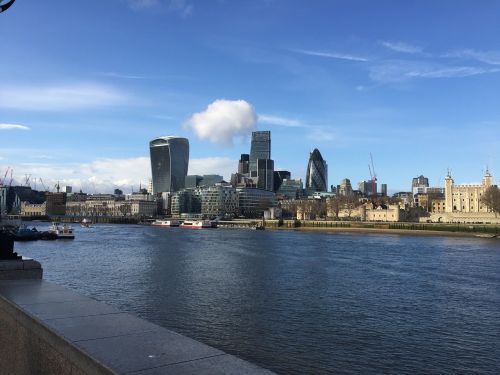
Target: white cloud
[
  {"x": 223, "y": 120},
  {"x": 401, "y": 47},
  {"x": 488, "y": 57},
  {"x": 60, "y": 97},
  {"x": 105, "y": 175},
  {"x": 331, "y": 55},
  {"x": 13, "y": 127},
  {"x": 282, "y": 121}
]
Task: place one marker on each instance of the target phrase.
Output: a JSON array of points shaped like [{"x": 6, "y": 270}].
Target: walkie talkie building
[
  {"x": 169, "y": 163},
  {"x": 317, "y": 172}
]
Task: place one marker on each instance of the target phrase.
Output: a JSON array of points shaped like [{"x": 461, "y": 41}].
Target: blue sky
[{"x": 88, "y": 84}]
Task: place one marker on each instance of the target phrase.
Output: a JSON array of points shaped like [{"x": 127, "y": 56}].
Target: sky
[{"x": 85, "y": 85}]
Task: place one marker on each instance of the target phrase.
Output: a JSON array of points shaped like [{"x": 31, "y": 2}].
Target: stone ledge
[
  {"x": 25, "y": 268},
  {"x": 49, "y": 326}
]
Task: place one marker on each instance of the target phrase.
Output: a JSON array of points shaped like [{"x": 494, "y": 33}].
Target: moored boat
[
  {"x": 23, "y": 233},
  {"x": 199, "y": 224},
  {"x": 85, "y": 223},
  {"x": 166, "y": 223},
  {"x": 63, "y": 231}
]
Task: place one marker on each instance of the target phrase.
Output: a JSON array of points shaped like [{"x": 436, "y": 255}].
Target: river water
[{"x": 297, "y": 302}]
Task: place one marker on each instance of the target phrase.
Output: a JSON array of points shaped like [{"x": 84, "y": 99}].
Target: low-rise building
[
  {"x": 219, "y": 200},
  {"x": 381, "y": 213},
  {"x": 33, "y": 209},
  {"x": 253, "y": 202}
]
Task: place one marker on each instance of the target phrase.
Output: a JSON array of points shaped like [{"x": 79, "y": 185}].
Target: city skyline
[{"x": 420, "y": 100}]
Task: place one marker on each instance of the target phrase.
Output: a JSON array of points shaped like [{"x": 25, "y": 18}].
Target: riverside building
[{"x": 169, "y": 163}]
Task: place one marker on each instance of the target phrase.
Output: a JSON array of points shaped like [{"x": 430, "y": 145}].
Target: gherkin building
[{"x": 317, "y": 172}]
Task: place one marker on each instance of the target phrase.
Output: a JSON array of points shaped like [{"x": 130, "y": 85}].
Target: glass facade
[
  {"x": 265, "y": 174},
  {"x": 260, "y": 148},
  {"x": 169, "y": 163},
  {"x": 317, "y": 172},
  {"x": 253, "y": 202}
]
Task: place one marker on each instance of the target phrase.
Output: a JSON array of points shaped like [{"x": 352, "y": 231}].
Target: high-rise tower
[
  {"x": 317, "y": 172},
  {"x": 169, "y": 163},
  {"x": 259, "y": 149}
]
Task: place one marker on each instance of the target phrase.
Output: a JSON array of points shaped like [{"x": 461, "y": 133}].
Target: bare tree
[
  {"x": 350, "y": 203},
  {"x": 491, "y": 198},
  {"x": 333, "y": 205}
]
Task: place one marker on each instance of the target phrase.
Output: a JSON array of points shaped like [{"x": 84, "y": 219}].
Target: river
[{"x": 297, "y": 302}]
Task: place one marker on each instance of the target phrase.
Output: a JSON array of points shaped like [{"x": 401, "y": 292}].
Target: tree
[
  {"x": 333, "y": 206},
  {"x": 491, "y": 198}
]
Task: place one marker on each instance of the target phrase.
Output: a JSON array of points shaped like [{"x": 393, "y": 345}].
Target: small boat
[
  {"x": 23, "y": 233},
  {"x": 63, "y": 231},
  {"x": 166, "y": 223},
  {"x": 198, "y": 224},
  {"x": 86, "y": 223},
  {"x": 485, "y": 235}
]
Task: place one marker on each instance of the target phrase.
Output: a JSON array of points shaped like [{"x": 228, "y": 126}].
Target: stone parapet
[
  {"x": 47, "y": 329},
  {"x": 18, "y": 269}
]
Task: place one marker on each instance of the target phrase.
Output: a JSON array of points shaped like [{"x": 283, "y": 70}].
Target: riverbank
[
  {"x": 417, "y": 229},
  {"x": 411, "y": 232}
]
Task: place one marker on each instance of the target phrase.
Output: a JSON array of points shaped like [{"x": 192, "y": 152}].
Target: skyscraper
[
  {"x": 243, "y": 164},
  {"x": 260, "y": 148},
  {"x": 317, "y": 172},
  {"x": 169, "y": 163},
  {"x": 265, "y": 174}
]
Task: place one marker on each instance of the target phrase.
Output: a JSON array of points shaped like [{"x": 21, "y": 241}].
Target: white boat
[
  {"x": 198, "y": 224},
  {"x": 86, "y": 223},
  {"x": 62, "y": 231},
  {"x": 166, "y": 223}
]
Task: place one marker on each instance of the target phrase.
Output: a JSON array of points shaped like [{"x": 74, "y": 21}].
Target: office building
[
  {"x": 345, "y": 188},
  {"x": 260, "y": 148},
  {"x": 290, "y": 189},
  {"x": 169, "y": 163},
  {"x": 253, "y": 202},
  {"x": 279, "y": 177},
  {"x": 265, "y": 174},
  {"x": 317, "y": 172},
  {"x": 244, "y": 164}
]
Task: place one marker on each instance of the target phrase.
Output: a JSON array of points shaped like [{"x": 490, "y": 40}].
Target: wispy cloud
[
  {"x": 120, "y": 75},
  {"x": 13, "y": 127},
  {"x": 331, "y": 55},
  {"x": 281, "y": 121},
  {"x": 60, "y": 97},
  {"x": 402, "y": 70},
  {"x": 183, "y": 7},
  {"x": 450, "y": 72},
  {"x": 401, "y": 47},
  {"x": 488, "y": 57}
]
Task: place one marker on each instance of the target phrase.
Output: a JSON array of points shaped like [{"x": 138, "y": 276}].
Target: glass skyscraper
[
  {"x": 317, "y": 172},
  {"x": 260, "y": 148},
  {"x": 169, "y": 163}
]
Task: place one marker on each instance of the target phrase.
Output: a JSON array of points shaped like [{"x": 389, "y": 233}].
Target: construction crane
[
  {"x": 11, "y": 178},
  {"x": 43, "y": 185},
  {"x": 373, "y": 176},
  {"x": 4, "y": 179},
  {"x": 27, "y": 179}
]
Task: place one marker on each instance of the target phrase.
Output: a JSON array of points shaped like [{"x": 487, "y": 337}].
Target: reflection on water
[{"x": 299, "y": 302}]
